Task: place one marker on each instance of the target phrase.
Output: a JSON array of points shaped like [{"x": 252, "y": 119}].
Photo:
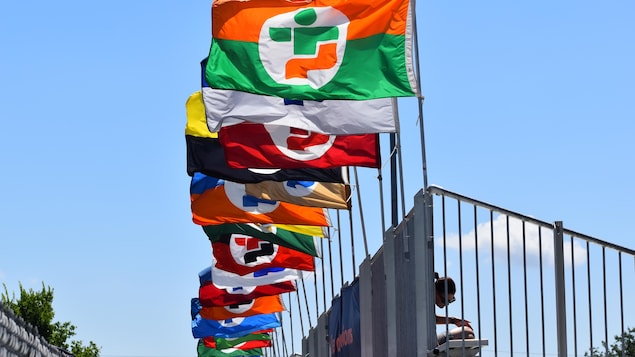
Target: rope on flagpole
[
  {"x": 361, "y": 212},
  {"x": 331, "y": 261}
]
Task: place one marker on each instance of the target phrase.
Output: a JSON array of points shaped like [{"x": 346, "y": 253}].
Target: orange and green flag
[{"x": 314, "y": 50}]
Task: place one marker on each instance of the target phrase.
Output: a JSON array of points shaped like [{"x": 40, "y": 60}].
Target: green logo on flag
[{"x": 304, "y": 47}]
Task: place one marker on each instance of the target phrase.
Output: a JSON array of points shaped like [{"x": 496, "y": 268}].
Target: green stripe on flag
[{"x": 373, "y": 67}]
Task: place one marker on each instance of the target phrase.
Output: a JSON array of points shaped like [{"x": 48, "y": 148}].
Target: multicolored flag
[
  {"x": 253, "y": 340},
  {"x": 230, "y": 328},
  {"x": 205, "y": 154},
  {"x": 341, "y": 117},
  {"x": 305, "y": 193},
  {"x": 216, "y": 201},
  {"x": 261, "y": 305},
  {"x": 322, "y": 49},
  {"x": 212, "y": 295},
  {"x": 242, "y": 254},
  {"x": 267, "y": 276},
  {"x": 301, "y": 238},
  {"x": 204, "y": 351},
  {"x": 276, "y": 146}
]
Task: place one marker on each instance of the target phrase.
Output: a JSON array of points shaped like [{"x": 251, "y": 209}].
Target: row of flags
[{"x": 292, "y": 94}]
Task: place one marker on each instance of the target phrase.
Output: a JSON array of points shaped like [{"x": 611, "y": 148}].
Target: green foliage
[
  {"x": 623, "y": 346},
  {"x": 36, "y": 308}
]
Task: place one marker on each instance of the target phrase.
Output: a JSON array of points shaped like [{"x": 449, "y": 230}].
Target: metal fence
[
  {"x": 529, "y": 287},
  {"x": 533, "y": 288}
]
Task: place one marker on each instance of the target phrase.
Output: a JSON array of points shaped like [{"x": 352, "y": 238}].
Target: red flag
[
  {"x": 216, "y": 201},
  {"x": 242, "y": 254},
  {"x": 211, "y": 295},
  {"x": 261, "y": 305},
  {"x": 276, "y": 146}
]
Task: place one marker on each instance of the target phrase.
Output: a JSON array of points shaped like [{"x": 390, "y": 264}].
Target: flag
[
  {"x": 305, "y": 193},
  {"x": 216, "y": 201},
  {"x": 267, "y": 276},
  {"x": 230, "y": 328},
  {"x": 212, "y": 295},
  {"x": 322, "y": 49},
  {"x": 306, "y": 242},
  {"x": 276, "y": 146},
  {"x": 243, "y": 254},
  {"x": 204, "y": 351},
  {"x": 342, "y": 117},
  {"x": 253, "y": 340},
  {"x": 205, "y": 154},
  {"x": 261, "y": 305}
]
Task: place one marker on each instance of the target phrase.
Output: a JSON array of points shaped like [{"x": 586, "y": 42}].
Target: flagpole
[{"x": 420, "y": 97}]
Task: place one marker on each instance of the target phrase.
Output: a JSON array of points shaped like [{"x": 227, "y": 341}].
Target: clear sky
[{"x": 529, "y": 106}]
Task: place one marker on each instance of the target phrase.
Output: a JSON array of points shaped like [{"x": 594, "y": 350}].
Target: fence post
[
  {"x": 561, "y": 311},
  {"x": 424, "y": 273}
]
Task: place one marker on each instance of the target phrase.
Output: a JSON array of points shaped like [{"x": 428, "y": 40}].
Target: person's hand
[{"x": 459, "y": 322}]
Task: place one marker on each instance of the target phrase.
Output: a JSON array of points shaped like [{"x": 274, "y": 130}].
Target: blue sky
[{"x": 528, "y": 106}]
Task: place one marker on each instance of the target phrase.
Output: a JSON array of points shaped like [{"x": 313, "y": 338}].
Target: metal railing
[{"x": 533, "y": 288}]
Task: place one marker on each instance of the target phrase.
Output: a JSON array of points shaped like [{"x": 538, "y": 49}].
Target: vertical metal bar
[
  {"x": 361, "y": 214},
  {"x": 525, "y": 286},
  {"x": 291, "y": 322},
  {"x": 317, "y": 303},
  {"x": 445, "y": 264},
  {"x": 424, "y": 273},
  {"x": 306, "y": 302},
  {"x": 461, "y": 275},
  {"x": 491, "y": 228},
  {"x": 393, "y": 176},
  {"x": 478, "y": 284},
  {"x": 331, "y": 265},
  {"x": 509, "y": 287},
  {"x": 606, "y": 323},
  {"x": 323, "y": 275},
  {"x": 350, "y": 224},
  {"x": 619, "y": 259},
  {"x": 339, "y": 236},
  {"x": 561, "y": 311},
  {"x": 542, "y": 292},
  {"x": 588, "y": 279},
  {"x": 424, "y": 164},
  {"x": 297, "y": 294},
  {"x": 573, "y": 291}
]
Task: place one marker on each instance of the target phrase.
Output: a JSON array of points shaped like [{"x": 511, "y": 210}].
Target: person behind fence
[{"x": 445, "y": 290}]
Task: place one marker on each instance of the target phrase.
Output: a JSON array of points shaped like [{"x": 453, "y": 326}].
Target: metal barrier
[
  {"x": 532, "y": 287},
  {"x": 529, "y": 287}
]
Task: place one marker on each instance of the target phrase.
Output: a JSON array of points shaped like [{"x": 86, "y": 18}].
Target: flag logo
[
  {"x": 299, "y": 144},
  {"x": 251, "y": 252},
  {"x": 304, "y": 47},
  {"x": 238, "y": 197}
]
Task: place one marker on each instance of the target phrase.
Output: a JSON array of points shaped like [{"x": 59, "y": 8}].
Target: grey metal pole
[{"x": 561, "y": 312}]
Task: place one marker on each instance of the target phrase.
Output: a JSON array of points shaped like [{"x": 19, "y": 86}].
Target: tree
[
  {"x": 36, "y": 308},
  {"x": 623, "y": 346}
]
